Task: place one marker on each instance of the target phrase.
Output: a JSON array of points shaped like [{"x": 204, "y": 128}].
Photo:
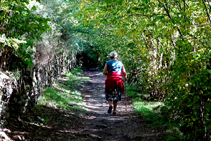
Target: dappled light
[{"x": 52, "y": 56}]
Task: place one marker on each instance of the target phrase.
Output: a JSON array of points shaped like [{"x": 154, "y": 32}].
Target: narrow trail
[
  {"x": 94, "y": 125},
  {"x": 99, "y": 125}
]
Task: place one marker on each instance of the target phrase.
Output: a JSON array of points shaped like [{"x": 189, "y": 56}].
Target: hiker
[{"x": 114, "y": 86}]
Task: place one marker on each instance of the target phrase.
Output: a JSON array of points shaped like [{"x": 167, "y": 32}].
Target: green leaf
[{"x": 34, "y": 8}]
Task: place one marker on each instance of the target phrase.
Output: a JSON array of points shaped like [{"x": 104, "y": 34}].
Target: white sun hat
[{"x": 113, "y": 54}]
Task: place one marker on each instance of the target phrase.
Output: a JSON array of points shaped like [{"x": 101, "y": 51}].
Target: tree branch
[
  {"x": 207, "y": 11},
  {"x": 147, "y": 15},
  {"x": 167, "y": 11}
]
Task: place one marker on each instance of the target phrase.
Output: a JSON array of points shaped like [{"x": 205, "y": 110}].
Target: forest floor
[{"x": 93, "y": 125}]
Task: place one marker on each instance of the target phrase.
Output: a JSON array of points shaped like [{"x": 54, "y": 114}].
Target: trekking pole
[{"x": 126, "y": 99}]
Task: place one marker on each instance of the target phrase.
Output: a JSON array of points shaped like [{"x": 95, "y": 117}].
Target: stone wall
[{"x": 20, "y": 86}]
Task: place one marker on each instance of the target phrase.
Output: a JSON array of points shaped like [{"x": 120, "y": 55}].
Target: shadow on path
[
  {"x": 49, "y": 124},
  {"x": 124, "y": 126}
]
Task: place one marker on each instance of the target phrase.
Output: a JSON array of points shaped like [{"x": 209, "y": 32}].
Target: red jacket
[{"x": 114, "y": 79}]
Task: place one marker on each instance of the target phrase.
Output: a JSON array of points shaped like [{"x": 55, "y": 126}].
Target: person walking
[{"x": 114, "y": 86}]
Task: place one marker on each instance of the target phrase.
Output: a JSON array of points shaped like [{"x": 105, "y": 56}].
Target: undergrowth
[
  {"x": 64, "y": 94},
  {"x": 153, "y": 111}
]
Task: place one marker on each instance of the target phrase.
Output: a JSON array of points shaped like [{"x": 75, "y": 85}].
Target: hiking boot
[{"x": 110, "y": 109}]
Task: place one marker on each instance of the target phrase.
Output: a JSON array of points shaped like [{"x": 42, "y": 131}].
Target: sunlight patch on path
[
  {"x": 100, "y": 125},
  {"x": 93, "y": 96}
]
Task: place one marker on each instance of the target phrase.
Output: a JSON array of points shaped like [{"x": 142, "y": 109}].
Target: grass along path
[
  {"x": 124, "y": 126},
  {"x": 65, "y": 94},
  {"x": 75, "y": 109},
  {"x": 56, "y": 116}
]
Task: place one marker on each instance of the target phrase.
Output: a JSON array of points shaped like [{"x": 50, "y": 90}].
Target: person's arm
[
  {"x": 105, "y": 70},
  {"x": 124, "y": 72}
]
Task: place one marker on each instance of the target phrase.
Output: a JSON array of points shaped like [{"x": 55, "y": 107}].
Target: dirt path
[
  {"x": 94, "y": 125},
  {"x": 100, "y": 125}
]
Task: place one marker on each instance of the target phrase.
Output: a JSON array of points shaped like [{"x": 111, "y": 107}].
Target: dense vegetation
[
  {"x": 35, "y": 50},
  {"x": 17, "y": 20},
  {"x": 164, "y": 45}
]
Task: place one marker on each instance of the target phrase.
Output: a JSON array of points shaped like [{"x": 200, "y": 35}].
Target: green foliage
[
  {"x": 10, "y": 41},
  {"x": 152, "y": 112},
  {"x": 64, "y": 94},
  {"x": 165, "y": 47},
  {"x": 143, "y": 106},
  {"x": 146, "y": 109},
  {"x": 18, "y": 22},
  {"x": 77, "y": 70},
  {"x": 25, "y": 52}
]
